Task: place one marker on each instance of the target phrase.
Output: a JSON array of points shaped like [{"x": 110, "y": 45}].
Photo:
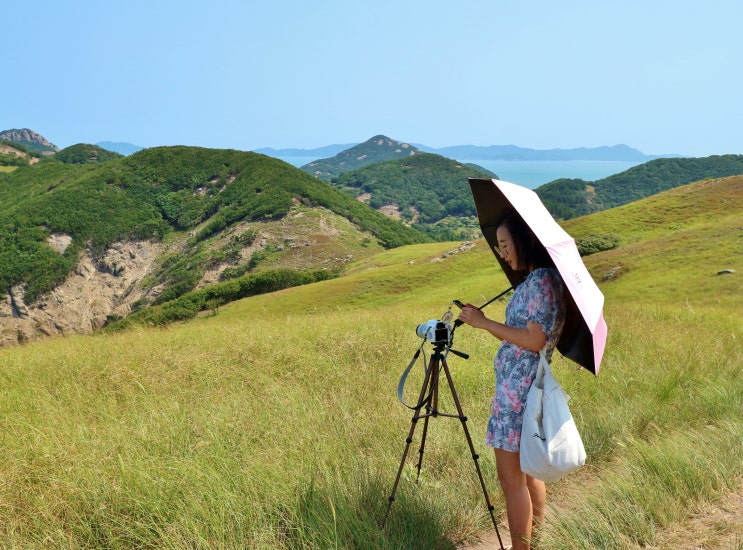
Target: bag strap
[{"x": 544, "y": 369}]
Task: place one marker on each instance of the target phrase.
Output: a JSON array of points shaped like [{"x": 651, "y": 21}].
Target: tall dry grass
[{"x": 275, "y": 423}]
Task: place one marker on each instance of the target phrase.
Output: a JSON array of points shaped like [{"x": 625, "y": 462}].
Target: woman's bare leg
[
  {"x": 538, "y": 493},
  {"x": 518, "y": 498}
]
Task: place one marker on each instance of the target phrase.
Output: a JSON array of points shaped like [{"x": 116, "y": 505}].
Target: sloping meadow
[{"x": 275, "y": 423}]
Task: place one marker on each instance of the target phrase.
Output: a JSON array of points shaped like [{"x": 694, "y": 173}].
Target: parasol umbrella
[{"x": 584, "y": 334}]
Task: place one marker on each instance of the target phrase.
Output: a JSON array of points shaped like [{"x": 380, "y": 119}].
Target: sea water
[{"x": 532, "y": 173}]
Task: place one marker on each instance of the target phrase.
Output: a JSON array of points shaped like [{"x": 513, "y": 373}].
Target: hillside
[
  {"x": 570, "y": 198},
  {"x": 684, "y": 245},
  {"x": 154, "y": 438},
  {"x": 425, "y": 190},
  {"x": 160, "y": 223},
  {"x": 14, "y": 154},
  {"x": 374, "y": 150}
]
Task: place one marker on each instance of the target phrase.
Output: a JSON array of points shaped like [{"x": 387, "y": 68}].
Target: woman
[{"x": 534, "y": 318}]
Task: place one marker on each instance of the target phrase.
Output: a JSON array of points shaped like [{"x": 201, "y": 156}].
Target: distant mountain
[
  {"x": 377, "y": 149},
  {"x": 30, "y": 140},
  {"x": 122, "y": 148},
  {"x": 491, "y": 152},
  {"x": 319, "y": 152},
  {"x": 570, "y": 198},
  {"x": 512, "y": 152}
]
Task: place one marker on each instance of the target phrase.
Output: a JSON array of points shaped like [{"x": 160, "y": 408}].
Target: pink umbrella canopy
[{"x": 584, "y": 335}]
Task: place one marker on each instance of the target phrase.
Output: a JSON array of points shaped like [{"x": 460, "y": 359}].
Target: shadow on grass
[{"x": 351, "y": 518}]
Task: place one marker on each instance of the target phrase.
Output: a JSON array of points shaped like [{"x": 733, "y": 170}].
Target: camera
[
  {"x": 440, "y": 331},
  {"x": 435, "y": 331}
]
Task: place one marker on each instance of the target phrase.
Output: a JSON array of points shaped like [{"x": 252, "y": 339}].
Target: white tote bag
[{"x": 551, "y": 446}]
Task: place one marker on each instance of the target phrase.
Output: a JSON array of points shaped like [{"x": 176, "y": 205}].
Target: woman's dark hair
[{"x": 529, "y": 250}]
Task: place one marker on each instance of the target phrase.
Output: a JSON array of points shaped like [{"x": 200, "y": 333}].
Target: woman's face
[{"x": 507, "y": 248}]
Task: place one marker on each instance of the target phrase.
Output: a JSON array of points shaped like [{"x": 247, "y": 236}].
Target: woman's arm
[{"x": 532, "y": 337}]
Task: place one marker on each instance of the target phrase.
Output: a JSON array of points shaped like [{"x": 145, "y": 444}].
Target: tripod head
[{"x": 440, "y": 347}]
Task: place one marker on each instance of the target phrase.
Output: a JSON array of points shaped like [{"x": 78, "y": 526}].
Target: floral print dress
[{"x": 539, "y": 299}]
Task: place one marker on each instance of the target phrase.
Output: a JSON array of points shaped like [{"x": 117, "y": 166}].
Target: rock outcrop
[
  {"x": 98, "y": 289},
  {"x": 28, "y": 137}
]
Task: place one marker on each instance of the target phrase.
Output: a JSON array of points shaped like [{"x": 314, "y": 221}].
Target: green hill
[
  {"x": 672, "y": 245},
  {"x": 377, "y": 149},
  {"x": 84, "y": 153},
  {"x": 569, "y": 198},
  {"x": 424, "y": 190},
  {"x": 274, "y": 423},
  {"x": 178, "y": 194}
]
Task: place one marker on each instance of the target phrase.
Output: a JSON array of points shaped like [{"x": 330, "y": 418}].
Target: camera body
[{"x": 435, "y": 331}]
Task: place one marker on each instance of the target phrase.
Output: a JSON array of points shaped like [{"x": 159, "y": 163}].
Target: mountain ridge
[
  {"x": 619, "y": 152},
  {"x": 513, "y": 153}
]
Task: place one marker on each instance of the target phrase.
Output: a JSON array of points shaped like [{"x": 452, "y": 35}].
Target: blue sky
[{"x": 661, "y": 76}]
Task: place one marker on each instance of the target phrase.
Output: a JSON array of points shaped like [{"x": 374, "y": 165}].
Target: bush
[
  {"x": 598, "y": 242},
  {"x": 187, "y": 306}
]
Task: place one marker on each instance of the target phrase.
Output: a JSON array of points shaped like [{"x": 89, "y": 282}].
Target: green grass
[{"x": 275, "y": 423}]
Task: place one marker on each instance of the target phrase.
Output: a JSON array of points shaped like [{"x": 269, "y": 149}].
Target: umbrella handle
[
  {"x": 509, "y": 289},
  {"x": 460, "y": 305}
]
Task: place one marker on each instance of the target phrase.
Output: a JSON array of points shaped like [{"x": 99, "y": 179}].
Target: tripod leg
[
  {"x": 475, "y": 456},
  {"x": 422, "y": 448},
  {"x": 421, "y": 401},
  {"x": 431, "y": 408}
]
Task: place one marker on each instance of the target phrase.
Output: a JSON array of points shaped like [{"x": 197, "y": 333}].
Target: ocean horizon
[{"x": 531, "y": 173}]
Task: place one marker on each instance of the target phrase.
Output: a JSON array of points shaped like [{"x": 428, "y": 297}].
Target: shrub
[
  {"x": 187, "y": 305},
  {"x": 597, "y": 242}
]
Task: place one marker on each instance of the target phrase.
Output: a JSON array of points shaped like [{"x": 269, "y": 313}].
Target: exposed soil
[
  {"x": 6, "y": 150},
  {"x": 716, "y": 526}
]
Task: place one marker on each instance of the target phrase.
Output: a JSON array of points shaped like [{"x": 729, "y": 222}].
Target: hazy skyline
[{"x": 659, "y": 76}]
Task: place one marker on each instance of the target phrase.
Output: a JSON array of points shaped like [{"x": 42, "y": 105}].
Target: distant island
[
  {"x": 513, "y": 152},
  {"x": 459, "y": 152},
  {"x": 491, "y": 152}
]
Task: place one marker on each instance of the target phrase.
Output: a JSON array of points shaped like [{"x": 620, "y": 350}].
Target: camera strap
[{"x": 403, "y": 378}]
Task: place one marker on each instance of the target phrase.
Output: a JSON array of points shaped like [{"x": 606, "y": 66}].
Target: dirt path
[{"x": 717, "y": 526}]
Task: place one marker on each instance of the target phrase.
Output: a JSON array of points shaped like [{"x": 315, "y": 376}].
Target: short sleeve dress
[{"x": 540, "y": 298}]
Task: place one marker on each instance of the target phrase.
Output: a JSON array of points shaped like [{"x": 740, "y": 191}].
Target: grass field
[{"x": 275, "y": 423}]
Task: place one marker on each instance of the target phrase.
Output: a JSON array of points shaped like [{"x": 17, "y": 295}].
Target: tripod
[{"x": 429, "y": 396}]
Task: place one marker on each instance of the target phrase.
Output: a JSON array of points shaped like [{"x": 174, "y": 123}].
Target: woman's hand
[{"x": 472, "y": 316}]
